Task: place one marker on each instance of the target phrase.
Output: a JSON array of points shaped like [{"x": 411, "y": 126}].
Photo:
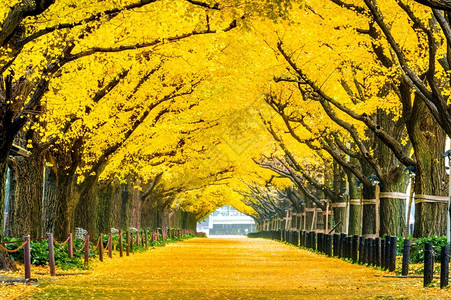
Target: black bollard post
[
  {"x": 348, "y": 247},
  {"x": 387, "y": 251},
  {"x": 319, "y": 238},
  {"x": 342, "y": 244},
  {"x": 329, "y": 245},
  {"x": 444, "y": 266},
  {"x": 339, "y": 245},
  {"x": 428, "y": 264},
  {"x": 383, "y": 266},
  {"x": 325, "y": 237},
  {"x": 371, "y": 252},
  {"x": 355, "y": 247},
  {"x": 313, "y": 240},
  {"x": 405, "y": 257},
  {"x": 366, "y": 254},
  {"x": 377, "y": 242},
  {"x": 393, "y": 249},
  {"x": 361, "y": 248},
  {"x": 335, "y": 244}
]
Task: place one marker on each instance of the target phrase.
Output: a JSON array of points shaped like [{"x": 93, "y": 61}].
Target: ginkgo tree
[{"x": 47, "y": 51}]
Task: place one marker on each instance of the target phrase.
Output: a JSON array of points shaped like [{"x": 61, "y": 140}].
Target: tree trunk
[
  {"x": 105, "y": 191},
  {"x": 125, "y": 206},
  {"x": 393, "y": 218},
  {"x": 339, "y": 215},
  {"x": 369, "y": 212},
  {"x": 354, "y": 207},
  {"x": 392, "y": 212},
  {"x": 188, "y": 221},
  {"x": 66, "y": 197},
  {"x": 353, "y": 219},
  {"x": 49, "y": 201},
  {"x": 25, "y": 206},
  {"x": 86, "y": 207},
  {"x": 136, "y": 206},
  {"x": 428, "y": 140},
  {"x": 109, "y": 208},
  {"x": 149, "y": 215},
  {"x": 6, "y": 263},
  {"x": 116, "y": 204},
  {"x": 3, "y": 174}
]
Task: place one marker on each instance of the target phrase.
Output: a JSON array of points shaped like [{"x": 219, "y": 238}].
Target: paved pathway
[{"x": 233, "y": 269}]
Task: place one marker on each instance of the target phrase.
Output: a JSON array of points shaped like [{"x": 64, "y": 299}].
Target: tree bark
[
  {"x": 136, "y": 206},
  {"x": 66, "y": 197},
  {"x": 25, "y": 206},
  {"x": 86, "y": 207},
  {"x": 49, "y": 201},
  {"x": 107, "y": 202},
  {"x": 392, "y": 211},
  {"x": 189, "y": 221},
  {"x": 428, "y": 140},
  {"x": 125, "y": 206},
  {"x": 6, "y": 263},
  {"x": 3, "y": 174}
]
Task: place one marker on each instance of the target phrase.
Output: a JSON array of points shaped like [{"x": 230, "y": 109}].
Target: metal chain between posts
[
  {"x": 61, "y": 244},
  {"x": 15, "y": 250},
  {"x": 82, "y": 247},
  {"x": 97, "y": 246}
]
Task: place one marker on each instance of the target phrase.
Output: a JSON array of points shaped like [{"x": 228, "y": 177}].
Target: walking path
[{"x": 232, "y": 269}]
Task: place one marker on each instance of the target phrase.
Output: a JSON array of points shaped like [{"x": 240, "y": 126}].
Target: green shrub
[
  {"x": 417, "y": 248},
  {"x": 39, "y": 252}
]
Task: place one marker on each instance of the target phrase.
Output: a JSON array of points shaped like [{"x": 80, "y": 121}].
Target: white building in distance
[{"x": 227, "y": 220}]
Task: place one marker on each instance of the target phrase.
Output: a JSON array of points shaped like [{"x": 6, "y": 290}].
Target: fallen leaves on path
[{"x": 233, "y": 269}]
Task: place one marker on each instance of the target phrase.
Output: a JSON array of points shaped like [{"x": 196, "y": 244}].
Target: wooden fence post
[
  {"x": 110, "y": 245},
  {"x": 51, "y": 254},
  {"x": 27, "y": 257},
  {"x": 146, "y": 241},
  {"x": 121, "y": 246},
  {"x": 127, "y": 243},
  {"x": 70, "y": 246},
  {"x": 100, "y": 247},
  {"x": 87, "y": 249}
]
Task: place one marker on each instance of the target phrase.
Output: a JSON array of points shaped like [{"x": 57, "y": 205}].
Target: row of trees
[
  {"x": 120, "y": 98},
  {"x": 362, "y": 105},
  {"x": 102, "y": 95}
]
